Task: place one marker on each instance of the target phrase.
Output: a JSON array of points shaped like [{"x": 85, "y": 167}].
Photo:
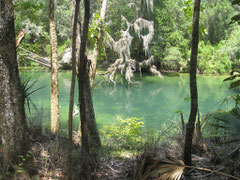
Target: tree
[
  {"x": 13, "y": 127},
  {"x": 83, "y": 80},
  {"x": 70, "y": 115},
  {"x": 193, "y": 85},
  {"x": 87, "y": 116},
  {"x": 54, "y": 68}
]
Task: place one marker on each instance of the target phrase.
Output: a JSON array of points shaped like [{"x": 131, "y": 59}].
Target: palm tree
[
  {"x": 193, "y": 85},
  {"x": 54, "y": 68}
]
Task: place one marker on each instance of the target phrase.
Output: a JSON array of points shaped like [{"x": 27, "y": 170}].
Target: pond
[{"x": 155, "y": 102}]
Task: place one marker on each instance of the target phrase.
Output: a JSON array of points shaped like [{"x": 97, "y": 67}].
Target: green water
[{"x": 155, "y": 102}]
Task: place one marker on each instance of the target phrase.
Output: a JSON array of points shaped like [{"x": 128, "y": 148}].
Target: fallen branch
[{"x": 34, "y": 57}]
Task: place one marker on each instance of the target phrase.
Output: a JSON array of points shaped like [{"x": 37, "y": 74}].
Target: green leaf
[
  {"x": 236, "y": 2},
  {"x": 187, "y": 98},
  {"x": 230, "y": 78},
  {"x": 178, "y": 111},
  {"x": 20, "y": 171},
  {"x": 235, "y": 18}
]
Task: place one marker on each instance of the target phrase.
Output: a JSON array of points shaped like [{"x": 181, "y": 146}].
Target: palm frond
[
  {"x": 164, "y": 169},
  {"x": 167, "y": 169},
  {"x": 27, "y": 87},
  {"x": 227, "y": 121}
]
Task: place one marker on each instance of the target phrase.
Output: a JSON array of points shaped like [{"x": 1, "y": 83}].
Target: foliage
[
  {"x": 171, "y": 28},
  {"x": 219, "y": 34},
  {"x": 125, "y": 133},
  {"x": 212, "y": 60},
  {"x": 33, "y": 15},
  {"x": 27, "y": 88},
  {"x": 236, "y": 18},
  {"x": 174, "y": 59},
  {"x": 23, "y": 160},
  {"x": 227, "y": 123},
  {"x": 236, "y": 83},
  {"x": 216, "y": 17},
  {"x": 93, "y": 34}
]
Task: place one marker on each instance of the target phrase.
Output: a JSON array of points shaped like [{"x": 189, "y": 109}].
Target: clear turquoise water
[{"x": 155, "y": 102}]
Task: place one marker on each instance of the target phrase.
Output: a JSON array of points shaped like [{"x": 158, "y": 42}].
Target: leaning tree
[{"x": 193, "y": 85}]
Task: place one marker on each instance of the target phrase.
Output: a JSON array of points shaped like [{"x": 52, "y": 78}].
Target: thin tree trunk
[
  {"x": 78, "y": 33},
  {"x": 98, "y": 42},
  {"x": 70, "y": 115},
  {"x": 193, "y": 85},
  {"x": 13, "y": 126},
  {"x": 54, "y": 67}
]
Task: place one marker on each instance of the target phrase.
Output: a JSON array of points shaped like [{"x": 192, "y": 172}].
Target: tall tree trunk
[
  {"x": 83, "y": 79},
  {"x": 13, "y": 126},
  {"x": 54, "y": 67},
  {"x": 70, "y": 115},
  {"x": 98, "y": 43},
  {"x": 193, "y": 85}
]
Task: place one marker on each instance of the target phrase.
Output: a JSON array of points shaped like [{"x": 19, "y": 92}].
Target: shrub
[
  {"x": 125, "y": 133},
  {"x": 173, "y": 59},
  {"x": 212, "y": 60}
]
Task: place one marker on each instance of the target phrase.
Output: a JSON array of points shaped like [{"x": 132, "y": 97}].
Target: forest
[{"x": 119, "y": 89}]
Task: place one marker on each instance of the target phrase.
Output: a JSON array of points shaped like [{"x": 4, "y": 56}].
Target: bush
[
  {"x": 173, "y": 59},
  {"x": 213, "y": 60},
  {"x": 125, "y": 133}
]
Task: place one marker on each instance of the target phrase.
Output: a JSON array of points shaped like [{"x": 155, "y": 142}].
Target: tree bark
[
  {"x": 13, "y": 126},
  {"x": 79, "y": 29},
  {"x": 70, "y": 115},
  {"x": 83, "y": 79},
  {"x": 98, "y": 43},
  {"x": 54, "y": 68},
  {"x": 193, "y": 85}
]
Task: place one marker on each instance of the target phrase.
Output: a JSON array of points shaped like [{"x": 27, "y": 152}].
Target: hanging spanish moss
[{"x": 125, "y": 64}]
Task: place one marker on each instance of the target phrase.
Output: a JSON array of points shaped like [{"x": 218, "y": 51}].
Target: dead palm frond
[
  {"x": 170, "y": 169},
  {"x": 167, "y": 169}
]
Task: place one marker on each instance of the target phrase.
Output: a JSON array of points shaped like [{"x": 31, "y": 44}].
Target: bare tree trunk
[
  {"x": 70, "y": 115},
  {"x": 84, "y": 88},
  {"x": 54, "y": 67},
  {"x": 193, "y": 85},
  {"x": 13, "y": 126},
  {"x": 98, "y": 42},
  {"x": 83, "y": 79}
]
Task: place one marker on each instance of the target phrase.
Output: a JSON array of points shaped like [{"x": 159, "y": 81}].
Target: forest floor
[{"x": 49, "y": 157}]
